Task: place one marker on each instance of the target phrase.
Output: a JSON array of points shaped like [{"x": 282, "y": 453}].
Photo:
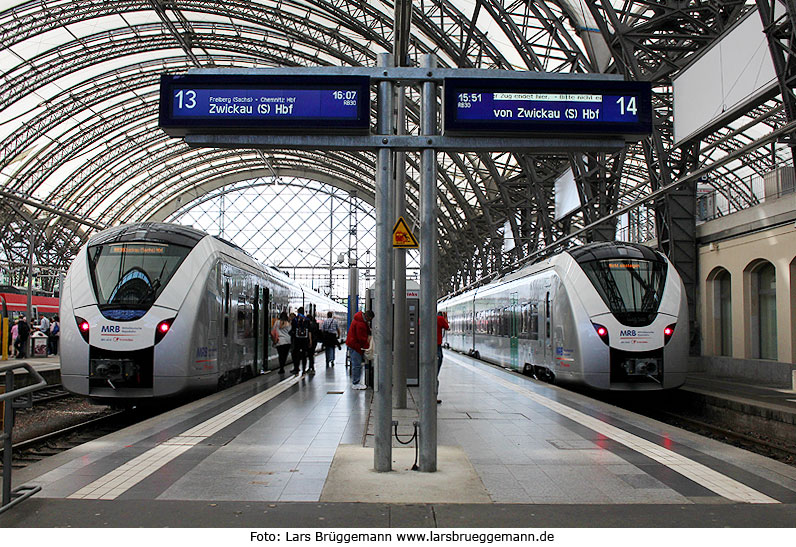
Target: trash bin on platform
[
  {"x": 38, "y": 341},
  {"x": 367, "y": 374}
]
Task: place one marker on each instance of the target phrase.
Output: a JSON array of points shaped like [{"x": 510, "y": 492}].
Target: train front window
[
  {"x": 631, "y": 288},
  {"x": 130, "y": 276}
]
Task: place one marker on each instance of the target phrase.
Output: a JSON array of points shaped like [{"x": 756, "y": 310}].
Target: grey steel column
[
  {"x": 401, "y": 321},
  {"x": 32, "y": 246},
  {"x": 428, "y": 278},
  {"x": 353, "y": 295},
  {"x": 382, "y": 455}
]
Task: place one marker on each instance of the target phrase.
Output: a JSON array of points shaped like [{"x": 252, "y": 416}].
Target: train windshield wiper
[{"x": 151, "y": 292}]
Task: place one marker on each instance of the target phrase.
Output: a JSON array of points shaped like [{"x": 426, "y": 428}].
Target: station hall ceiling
[{"x": 80, "y": 148}]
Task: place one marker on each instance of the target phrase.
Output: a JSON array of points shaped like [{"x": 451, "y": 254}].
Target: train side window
[
  {"x": 533, "y": 326},
  {"x": 245, "y": 316}
]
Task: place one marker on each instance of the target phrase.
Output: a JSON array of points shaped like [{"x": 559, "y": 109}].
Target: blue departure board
[
  {"x": 275, "y": 104},
  {"x": 556, "y": 107}
]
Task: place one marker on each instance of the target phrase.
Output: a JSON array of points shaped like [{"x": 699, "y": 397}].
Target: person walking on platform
[
  {"x": 357, "y": 342},
  {"x": 330, "y": 332},
  {"x": 14, "y": 335},
  {"x": 55, "y": 336},
  {"x": 300, "y": 334},
  {"x": 23, "y": 333},
  {"x": 44, "y": 328},
  {"x": 442, "y": 324},
  {"x": 315, "y": 331},
  {"x": 280, "y": 335}
]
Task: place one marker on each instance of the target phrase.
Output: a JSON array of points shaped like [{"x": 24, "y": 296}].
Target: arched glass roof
[{"x": 80, "y": 147}]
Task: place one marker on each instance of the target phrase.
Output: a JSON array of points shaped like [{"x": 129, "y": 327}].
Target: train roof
[
  {"x": 150, "y": 231},
  {"x": 582, "y": 253},
  {"x": 613, "y": 249}
]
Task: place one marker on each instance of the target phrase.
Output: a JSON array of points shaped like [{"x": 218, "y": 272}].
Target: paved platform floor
[{"x": 296, "y": 451}]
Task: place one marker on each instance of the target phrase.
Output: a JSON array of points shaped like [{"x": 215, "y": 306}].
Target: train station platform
[
  {"x": 49, "y": 367},
  {"x": 297, "y": 452}
]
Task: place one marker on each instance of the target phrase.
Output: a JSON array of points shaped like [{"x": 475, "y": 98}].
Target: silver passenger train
[
  {"x": 611, "y": 316},
  {"x": 154, "y": 310}
]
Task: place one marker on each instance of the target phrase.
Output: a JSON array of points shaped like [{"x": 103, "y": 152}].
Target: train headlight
[
  {"x": 162, "y": 328},
  {"x": 83, "y": 327},
  {"x": 668, "y": 332},
  {"x": 602, "y": 332}
]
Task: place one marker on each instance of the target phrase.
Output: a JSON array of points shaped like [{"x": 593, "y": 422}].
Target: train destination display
[
  {"x": 276, "y": 104},
  {"x": 554, "y": 107}
]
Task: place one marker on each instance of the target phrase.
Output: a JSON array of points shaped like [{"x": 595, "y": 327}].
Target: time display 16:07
[{"x": 248, "y": 103}]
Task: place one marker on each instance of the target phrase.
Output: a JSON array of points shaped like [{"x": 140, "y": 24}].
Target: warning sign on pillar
[{"x": 402, "y": 237}]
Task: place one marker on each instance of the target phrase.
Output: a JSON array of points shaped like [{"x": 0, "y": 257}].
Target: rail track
[
  {"x": 54, "y": 442},
  {"x": 53, "y": 421}
]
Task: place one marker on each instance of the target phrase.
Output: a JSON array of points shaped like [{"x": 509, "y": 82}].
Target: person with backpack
[
  {"x": 330, "y": 332},
  {"x": 315, "y": 335},
  {"x": 300, "y": 334}
]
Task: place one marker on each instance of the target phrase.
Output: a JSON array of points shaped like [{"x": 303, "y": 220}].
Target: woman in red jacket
[{"x": 357, "y": 342}]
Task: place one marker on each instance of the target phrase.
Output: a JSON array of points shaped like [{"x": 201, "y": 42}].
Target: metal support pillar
[
  {"x": 401, "y": 335},
  {"x": 428, "y": 278},
  {"x": 30, "y": 276},
  {"x": 382, "y": 455},
  {"x": 353, "y": 294},
  {"x": 353, "y": 270}
]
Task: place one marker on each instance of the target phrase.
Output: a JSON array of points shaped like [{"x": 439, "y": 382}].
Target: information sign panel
[
  {"x": 221, "y": 103},
  {"x": 550, "y": 106}
]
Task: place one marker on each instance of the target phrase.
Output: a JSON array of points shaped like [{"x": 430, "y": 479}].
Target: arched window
[
  {"x": 722, "y": 308},
  {"x": 764, "y": 311}
]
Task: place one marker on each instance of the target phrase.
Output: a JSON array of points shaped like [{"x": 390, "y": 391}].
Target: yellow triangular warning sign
[{"x": 402, "y": 237}]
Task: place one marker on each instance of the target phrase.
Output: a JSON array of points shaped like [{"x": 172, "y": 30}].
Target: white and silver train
[
  {"x": 611, "y": 316},
  {"x": 154, "y": 310}
]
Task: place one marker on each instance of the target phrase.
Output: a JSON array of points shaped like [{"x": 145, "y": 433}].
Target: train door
[
  {"x": 225, "y": 342},
  {"x": 548, "y": 343},
  {"x": 513, "y": 331},
  {"x": 266, "y": 326},
  {"x": 471, "y": 326},
  {"x": 256, "y": 330},
  {"x": 211, "y": 335}
]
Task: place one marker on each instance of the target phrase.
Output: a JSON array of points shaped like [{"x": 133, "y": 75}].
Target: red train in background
[{"x": 16, "y": 299}]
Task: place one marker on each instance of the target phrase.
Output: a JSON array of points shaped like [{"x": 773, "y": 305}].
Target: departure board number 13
[{"x": 185, "y": 98}]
